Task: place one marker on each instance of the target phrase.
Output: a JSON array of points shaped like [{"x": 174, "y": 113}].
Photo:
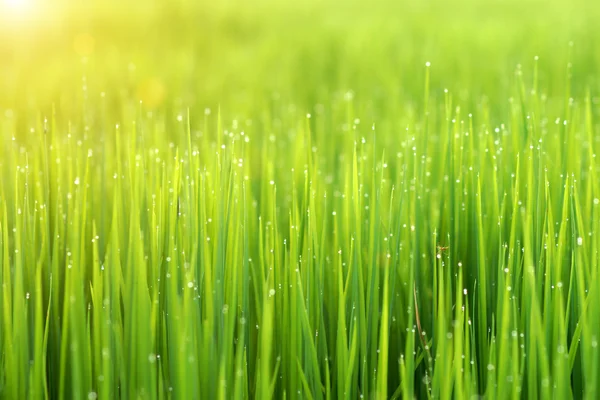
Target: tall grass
[{"x": 316, "y": 243}]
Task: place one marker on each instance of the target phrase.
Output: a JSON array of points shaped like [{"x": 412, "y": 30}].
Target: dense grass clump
[{"x": 301, "y": 201}]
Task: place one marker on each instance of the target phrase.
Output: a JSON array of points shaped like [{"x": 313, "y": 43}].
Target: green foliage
[{"x": 314, "y": 200}]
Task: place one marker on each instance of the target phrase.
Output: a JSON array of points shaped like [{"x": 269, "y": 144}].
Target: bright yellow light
[
  {"x": 16, "y": 6},
  {"x": 24, "y": 15},
  {"x": 17, "y": 11}
]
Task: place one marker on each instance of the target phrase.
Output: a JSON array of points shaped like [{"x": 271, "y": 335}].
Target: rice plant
[{"x": 306, "y": 201}]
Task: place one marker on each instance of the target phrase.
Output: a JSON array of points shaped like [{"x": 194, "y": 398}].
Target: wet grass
[{"x": 311, "y": 201}]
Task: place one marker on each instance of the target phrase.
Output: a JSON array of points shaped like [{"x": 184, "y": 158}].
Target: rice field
[{"x": 309, "y": 200}]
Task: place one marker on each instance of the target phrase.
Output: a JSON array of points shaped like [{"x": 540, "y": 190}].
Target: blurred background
[{"x": 248, "y": 57}]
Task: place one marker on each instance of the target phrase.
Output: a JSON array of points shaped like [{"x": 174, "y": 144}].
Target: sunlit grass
[{"x": 195, "y": 203}]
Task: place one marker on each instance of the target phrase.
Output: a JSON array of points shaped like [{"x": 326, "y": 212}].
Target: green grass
[{"x": 314, "y": 200}]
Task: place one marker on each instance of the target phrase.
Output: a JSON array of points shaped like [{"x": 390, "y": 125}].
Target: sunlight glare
[{"x": 17, "y": 5}]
